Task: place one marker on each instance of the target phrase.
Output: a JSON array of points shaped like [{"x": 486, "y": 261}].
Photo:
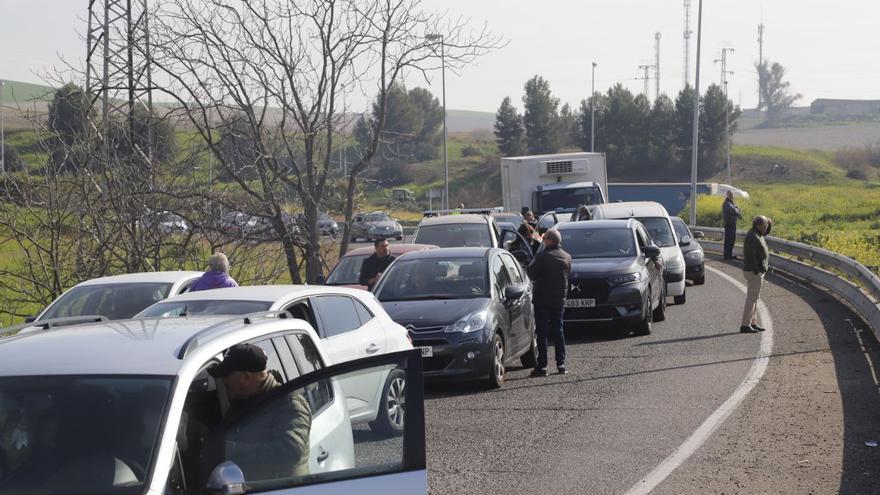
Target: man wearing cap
[{"x": 274, "y": 442}]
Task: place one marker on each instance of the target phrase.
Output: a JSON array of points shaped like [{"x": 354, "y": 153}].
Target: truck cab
[
  {"x": 566, "y": 197},
  {"x": 557, "y": 182}
]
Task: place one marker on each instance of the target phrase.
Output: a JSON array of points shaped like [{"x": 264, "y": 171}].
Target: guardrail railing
[{"x": 846, "y": 277}]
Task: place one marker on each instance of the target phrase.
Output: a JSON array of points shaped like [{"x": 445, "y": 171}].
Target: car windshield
[
  {"x": 348, "y": 271},
  {"x": 659, "y": 230},
  {"x": 568, "y": 199},
  {"x": 455, "y": 235},
  {"x": 681, "y": 229},
  {"x": 376, "y": 217},
  {"x": 514, "y": 218},
  {"x": 204, "y": 308},
  {"x": 599, "y": 243},
  {"x": 114, "y": 301},
  {"x": 83, "y": 435},
  {"x": 463, "y": 278}
]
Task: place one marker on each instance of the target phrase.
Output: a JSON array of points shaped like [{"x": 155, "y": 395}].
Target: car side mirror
[
  {"x": 651, "y": 251},
  {"x": 684, "y": 241},
  {"x": 30, "y": 319},
  {"x": 226, "y": 479},
  {"x": 699, "y": 234},
  {"x": 514, "y": 292}
]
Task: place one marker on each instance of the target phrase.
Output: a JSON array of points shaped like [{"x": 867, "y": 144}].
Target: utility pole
[
  {"x": 439, "y": 37},
  {"x": 696, "y": 133},
  {"x": 2, "y": 131},
  {"x": 724, "y": 74},
  {"x": 645, "y": 78},
  {"x": 687, "y": 42},
  {"x": 657, "y": 64},
  {"x": 593, "y": 111},
  {"x": 760, "y": 59}
]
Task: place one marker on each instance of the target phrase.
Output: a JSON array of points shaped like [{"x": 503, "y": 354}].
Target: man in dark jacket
[
  {"x": 274, "y": 442},
  {"x": 549, "y": 273},
  {"x": 755, "y": 257},
  {"x": 375, "y": 265},
  {"x": 730, "y": 212}
]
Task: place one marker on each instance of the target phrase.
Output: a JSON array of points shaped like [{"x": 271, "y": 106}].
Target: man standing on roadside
[
  {"x": 730, "y": 212},
  {"x": 549, "y": 273},
  {"x": 373, "y": 267},
  {"x": 755, "y": 266}
]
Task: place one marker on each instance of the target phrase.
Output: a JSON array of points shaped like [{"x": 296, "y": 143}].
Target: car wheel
[
  {"x": 700, "y": 281},
  {"x": 644, "y": 327},
  {"x": 399, "y": 238},
  {"x": 496, "y": 374},
  {"x": 530, "y": 358},
  {"x": 660, "y": 312},
  {"x": 391, "y": 417},
  {"x": 680, "y": 299}
]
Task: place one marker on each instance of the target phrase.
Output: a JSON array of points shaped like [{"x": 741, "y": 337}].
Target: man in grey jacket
[
  {"x": 730, "y": 213},
  {"x": 549, "y": 273}
]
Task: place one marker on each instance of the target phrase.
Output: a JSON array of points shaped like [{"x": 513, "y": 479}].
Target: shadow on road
[{"x": 689, "y": 339}]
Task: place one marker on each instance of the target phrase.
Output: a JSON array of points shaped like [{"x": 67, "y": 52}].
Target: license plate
[
  {"x": 580, "y": 303},
  {"x": 427, "y": 351}
]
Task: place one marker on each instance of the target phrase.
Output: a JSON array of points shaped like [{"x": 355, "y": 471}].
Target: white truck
[{"x": 558, "y": 182}]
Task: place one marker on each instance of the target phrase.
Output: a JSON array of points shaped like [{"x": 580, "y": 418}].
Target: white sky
[{"x": 831, "y": 49}]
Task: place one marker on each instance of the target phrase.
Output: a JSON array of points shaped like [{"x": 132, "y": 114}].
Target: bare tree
[
  {"x": 776, "y": 97},
  {"x": 277, "y": 70}
]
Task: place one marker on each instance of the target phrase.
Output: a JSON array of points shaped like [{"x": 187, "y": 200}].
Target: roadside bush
[{"x": 470, "y": 150}]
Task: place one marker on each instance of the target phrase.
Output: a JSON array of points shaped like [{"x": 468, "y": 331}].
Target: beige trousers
[{"x": 754, "y": 281}]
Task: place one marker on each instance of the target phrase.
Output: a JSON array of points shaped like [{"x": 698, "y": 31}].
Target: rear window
[
  {"x": 204, "y": 308},
  {"x": 455, "y": 235},
  {"x": 598, "y": 243}
]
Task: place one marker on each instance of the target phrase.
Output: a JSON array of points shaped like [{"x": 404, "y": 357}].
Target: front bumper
[
  {"x": 620, "y": 304},
  {"x": 455, "y": 355},
  {"x": 695, "y": 270}
]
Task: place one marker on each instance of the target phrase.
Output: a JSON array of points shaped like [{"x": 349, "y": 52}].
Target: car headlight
[
  {"x": 470, "y": 323},
  {"x": 628, "y": 278},
  {"x": 695, "y": 256}
]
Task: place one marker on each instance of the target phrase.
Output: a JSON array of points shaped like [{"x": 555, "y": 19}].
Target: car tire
[
  {"x": 390, "y": 419},
  {"x": 400, "y": 238},
  {"x": 530, "y": 358},
  {"x": 680, "y": 299},
  {"x": 496, "y": 372},
  {"x": 700, "y": 281},
  {"x": 660, "y": 312},
  {"x": 644, "y": 327}
]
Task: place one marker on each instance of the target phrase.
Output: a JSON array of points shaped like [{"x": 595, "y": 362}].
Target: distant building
[{"x": 845, "y": 107}]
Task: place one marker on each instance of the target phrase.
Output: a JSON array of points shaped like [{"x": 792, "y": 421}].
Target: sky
[{"x": 830, "y": 49}]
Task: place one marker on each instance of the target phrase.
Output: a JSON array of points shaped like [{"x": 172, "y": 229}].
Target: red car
[{"x": 347, "y": 271}]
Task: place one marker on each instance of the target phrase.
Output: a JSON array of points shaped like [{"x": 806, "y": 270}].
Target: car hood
[
  {"x": 432, "y": 313},
  {"x": 600, "y": 267},
  {"x": 375, "y": 225}
]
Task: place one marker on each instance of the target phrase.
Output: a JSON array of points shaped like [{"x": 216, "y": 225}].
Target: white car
[
  {"x": 351, "y": 322},
  {"x": 118, "y": 297},
  {"x": 130, "y": 407},
  {"x": 656, "y": 220}
]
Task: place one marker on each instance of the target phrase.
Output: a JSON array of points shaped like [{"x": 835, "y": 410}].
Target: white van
[{"x": 656, "y": 220}]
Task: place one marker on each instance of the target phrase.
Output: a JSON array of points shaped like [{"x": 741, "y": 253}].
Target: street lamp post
[
  {"x": 439, "y": 37},
  {"x": 696, "y": 133},
  {"x": 593, "y": 112},
  {"x": 2, "y": 132}
]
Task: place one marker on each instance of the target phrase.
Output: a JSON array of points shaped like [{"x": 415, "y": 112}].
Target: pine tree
[
  {"x": 509, "y": 130},
  {"x": 541, "y": 117}
]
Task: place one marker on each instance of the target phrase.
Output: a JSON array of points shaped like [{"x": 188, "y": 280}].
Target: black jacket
[
  {"x": 549, "y": 273},
  {"x": 372, "y": 266},
  {"x": 730, "y": 212},
  {"x": 755, "y": 252}
]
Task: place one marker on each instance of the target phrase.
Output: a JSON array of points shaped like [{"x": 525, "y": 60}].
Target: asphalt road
[{"x": 627, "y": 404}]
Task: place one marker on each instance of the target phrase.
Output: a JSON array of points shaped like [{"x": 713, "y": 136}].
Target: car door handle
[
  {"x": 323, "y": 455},
  {"x": 373, "y": 348}
]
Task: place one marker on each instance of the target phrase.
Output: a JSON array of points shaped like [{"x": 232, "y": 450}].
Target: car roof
[
  {"x": 393, "y": 248},
  {"x": 596, "y": 224},
  {"x": 146, "y": 277},
  {"x": 127, "y": 347},
  {"x": 452, "y": 252},
  {"x": 633, "y": 209},
  {"x": 455, "y": 219},
  {"x": 263, "y": 293}
]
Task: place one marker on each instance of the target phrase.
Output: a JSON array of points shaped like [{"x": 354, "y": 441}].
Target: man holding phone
[{"x": 755, "y": 266}]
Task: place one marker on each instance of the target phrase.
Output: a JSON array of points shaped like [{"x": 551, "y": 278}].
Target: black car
[
  {"x": 616, "y": 275},
  {"x": 468, "y": 309},
  {"x": 375, "y": 225},
  {"x": 694, "y": 258}
]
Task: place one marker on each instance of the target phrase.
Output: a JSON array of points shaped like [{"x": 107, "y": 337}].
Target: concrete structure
[{"x": 844, "y": 107}]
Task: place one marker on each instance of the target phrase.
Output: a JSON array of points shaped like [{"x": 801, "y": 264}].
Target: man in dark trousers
[
  {"x": 373, "y": 266},
  {"x": 549, "y": 273},
  {"x": 731, "y": 213}
]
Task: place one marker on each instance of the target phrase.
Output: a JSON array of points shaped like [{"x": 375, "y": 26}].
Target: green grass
[
  {"x": 760, "y": 163},
  {"x": 26, "y": 92}
]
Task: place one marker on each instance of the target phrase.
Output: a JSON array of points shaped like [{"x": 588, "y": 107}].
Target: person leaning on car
[
  {"x": 373, "y": 267},
  {"x": 273, "y": 443},
  {"x": 755, "y": 266},
  {"x": 549, "y": 273}
]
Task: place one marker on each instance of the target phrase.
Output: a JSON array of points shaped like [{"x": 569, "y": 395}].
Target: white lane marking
[{"x": 699, "y": 437}]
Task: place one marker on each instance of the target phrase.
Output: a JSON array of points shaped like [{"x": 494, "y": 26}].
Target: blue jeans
[{"x": 548, "y": 324}]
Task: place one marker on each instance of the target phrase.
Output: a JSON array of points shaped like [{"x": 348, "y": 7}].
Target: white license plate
[
  {"x": 427, "y": 351},
  {"x": 580, "y": 303}
]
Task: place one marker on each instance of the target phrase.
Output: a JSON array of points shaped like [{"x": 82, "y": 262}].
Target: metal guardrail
[{"x": 858, "y": 286}]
